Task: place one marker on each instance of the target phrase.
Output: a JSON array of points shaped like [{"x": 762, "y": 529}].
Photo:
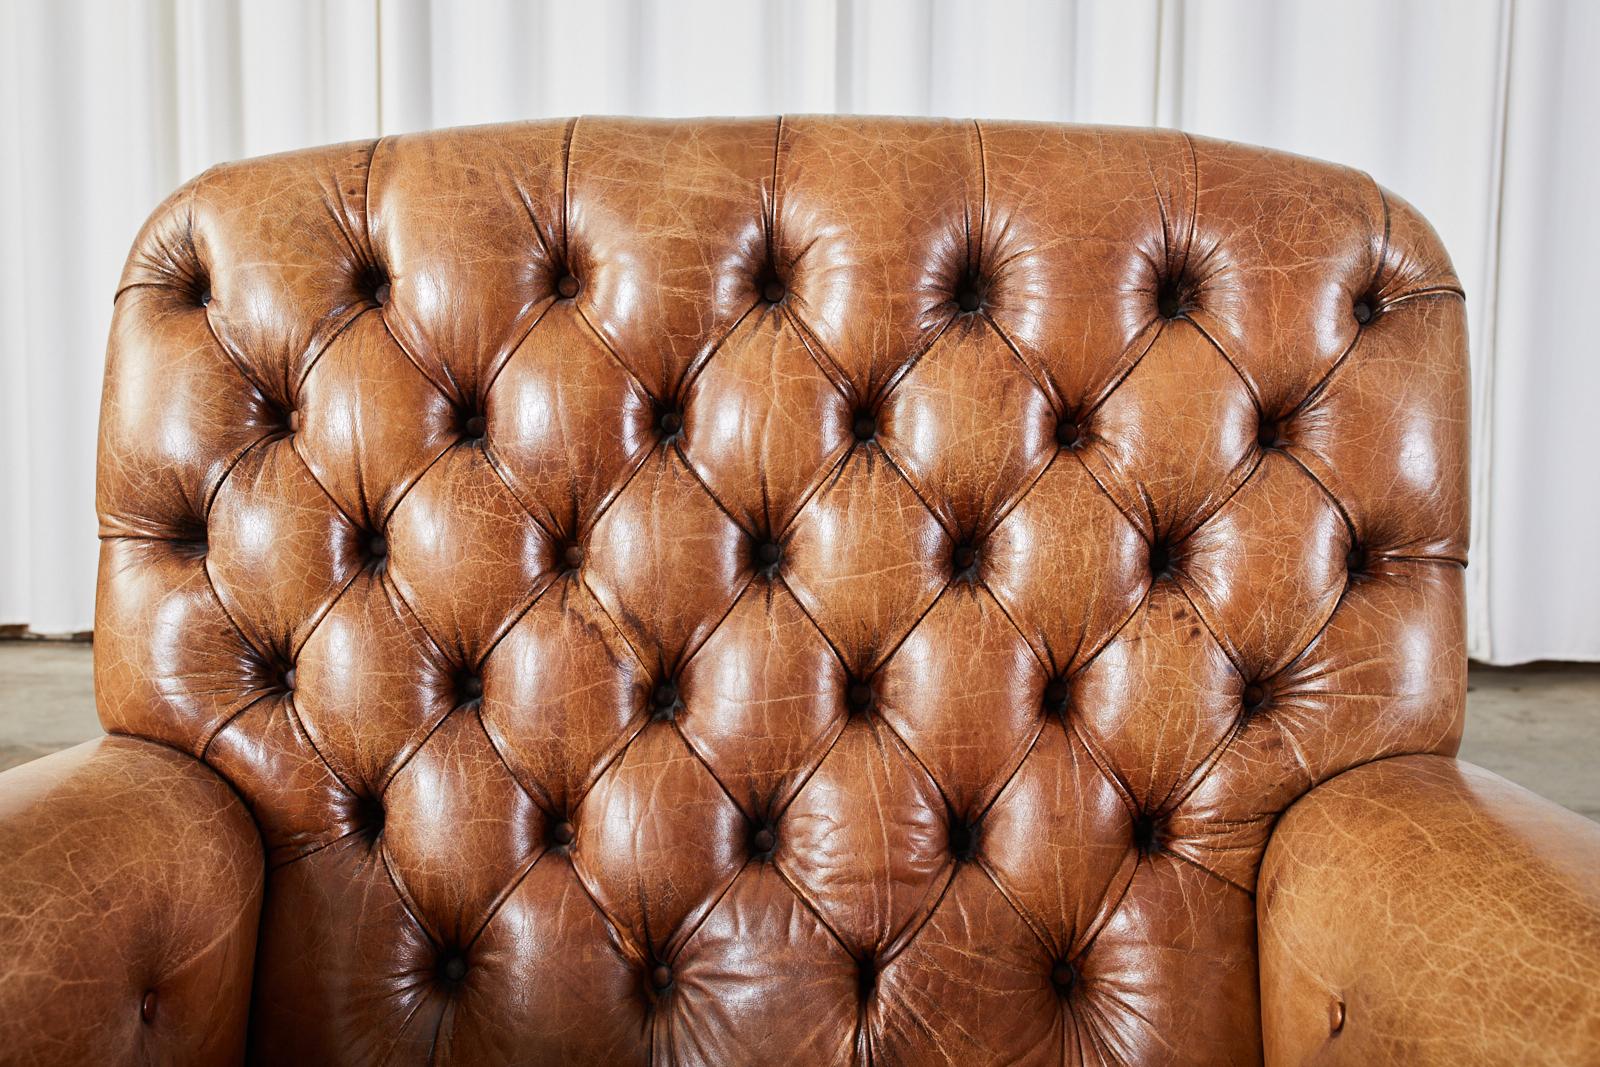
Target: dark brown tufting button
[
  {"x": 1335, "y": 1016},
  {"x": 377, "y": 546},
  {"x": 969, "y": 299},
  {"x": 1056, "y": 694},
  {"x": 865, "y": 426},
  {"x": 380, "y": 295},
  {"x": 1363, "y": 312},
  {"x": 867, "y": 977},
  {"x": 664, "y": 698},
  {"x": 562, "y": 833},
  {"x": 572, "y": 555},
  {"x": 661, "y": 976},
  {"x": 567, "y": 286},
  {"x": 669, "y": 423},
  {"x": 1063, "y": 975},
  {"x": 1254, "y": 696},
  {"x": 1068, "y": 433},
  {"x": 476, "y": 426},
  {"x": 1146, "y": 834},
  {"x": 1355, "y": 560},
  {"x": 1169, "y": 302},
  {"x": 454, "y": 969},
  {"x": 147, "y": 1007},
  {"x": 1161, "y": 560},
  {"x": 288, "y": 679},
  {"x": 768, "y": 553},
  {"x": 965, "y": 557},
  {"x": 963, "y": 840},
  {"x": 204, "y": 299},
  {"x": 471, "y": 687},
  {"x": 858, "y": 696},
  {"x": 764, "y": 840},
  {"x": 292, "y": 420},
  {"x": 369, "y": 814},
  {"x": 1269, "y": 434},
  {"x": 774, "y": 291}
]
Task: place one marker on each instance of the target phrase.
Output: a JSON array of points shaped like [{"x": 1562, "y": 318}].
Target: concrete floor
[
  {"x": 46, "y": 698},
  {"x": 1538, "y": 725}
]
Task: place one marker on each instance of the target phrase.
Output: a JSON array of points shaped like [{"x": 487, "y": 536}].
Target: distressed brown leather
[
  {"x": 1425, "y": 911},
  {"x": 130, "y": 889},
  {"x": 806, "y": 590}
]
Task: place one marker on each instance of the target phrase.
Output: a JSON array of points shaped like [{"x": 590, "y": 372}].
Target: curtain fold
[{"x": 1478, "y": 111}]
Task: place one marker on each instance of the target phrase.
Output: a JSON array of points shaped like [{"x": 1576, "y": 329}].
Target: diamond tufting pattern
[{"x": 804, "y": 590}]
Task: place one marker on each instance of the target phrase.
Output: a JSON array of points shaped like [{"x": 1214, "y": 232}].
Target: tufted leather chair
[{"x": 815, "y": 591}]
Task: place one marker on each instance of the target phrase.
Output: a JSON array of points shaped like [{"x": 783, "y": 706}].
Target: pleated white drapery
[{"x": 1478, "y": 111}]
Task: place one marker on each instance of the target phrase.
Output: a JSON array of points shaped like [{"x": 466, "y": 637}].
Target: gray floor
[
  {"x": 46, "y": 698},
  {"x": 1538, "y": 725}
]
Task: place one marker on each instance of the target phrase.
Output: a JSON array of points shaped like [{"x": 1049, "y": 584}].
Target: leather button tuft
[
  {"x": 1335, "y": 1016},
  {"x": 204, "y": 298},
  {"x": 562, "y": 833},
  {"x": 369, "y": 814},
  {"x": 288, "y": 679},
  {"x": 1161, "y": 560},
  {"x": 774, "y": 291},
  {"x": 1170, "y": 302},
  {"x": 963, "y": 840},
  {"x": 147, "y": 1007},
  {"x": 1146, "y": 834},
  {"x": 377, "y": 546},
  {"x": 965, "y": 557},
  {"x": 664, "y": 698},
  {"x": 865, "y": 427},
  {"x": 858, "y": 696},
  {"x": 454, "y": 968},
  {"x": 1255, "y": 696},
  {"x": 661, "y": 976},
  {"x": 1057, "y": 692},
  {"x": 567, "y": 286},
  {"x": 475, "y": 427},
  {"x": 572, "y": 555},
  {"x": 764, "y": 840},
  {"x": 867, "y": 977},
  {"x": 471, "y": 688},
  {"x": 769, "y": 553},
  {"x": 1270, "y": 434},
  {"x": 1063, "y": 975},
  {"x": 1355, "y": 560},
  {"x": 669, "y": 423},
  {"x": 380, "y": 295},
  {"x": 1068, "y": 433},
  {"x": 1364, "y": 312},
  {"x": 292, "y": 421},
  {"x": 969, "y": 299}
]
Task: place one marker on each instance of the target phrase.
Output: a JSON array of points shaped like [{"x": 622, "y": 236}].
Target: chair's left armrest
[
  {"x": 1421, "y": 910},
  {"x": 130, "y": 888}
]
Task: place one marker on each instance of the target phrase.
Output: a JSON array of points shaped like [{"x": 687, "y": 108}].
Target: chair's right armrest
[
  {"x": 1424, "y": 911},
  {"x": 130, "y": 888}
]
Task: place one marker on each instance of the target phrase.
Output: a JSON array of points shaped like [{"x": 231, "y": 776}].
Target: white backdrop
[{"x": 1481, "y": 112}]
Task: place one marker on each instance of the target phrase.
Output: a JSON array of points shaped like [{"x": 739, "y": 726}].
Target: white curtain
[{"x": 1482, "y": 112}]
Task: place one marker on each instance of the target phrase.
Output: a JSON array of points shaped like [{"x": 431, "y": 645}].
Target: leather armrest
[
  {"x": 130, "y": 887},
  {"x": 1421, "y": 910}
]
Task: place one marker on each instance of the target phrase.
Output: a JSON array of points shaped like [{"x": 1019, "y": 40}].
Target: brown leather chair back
[{"x": 779, "y": 591}]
